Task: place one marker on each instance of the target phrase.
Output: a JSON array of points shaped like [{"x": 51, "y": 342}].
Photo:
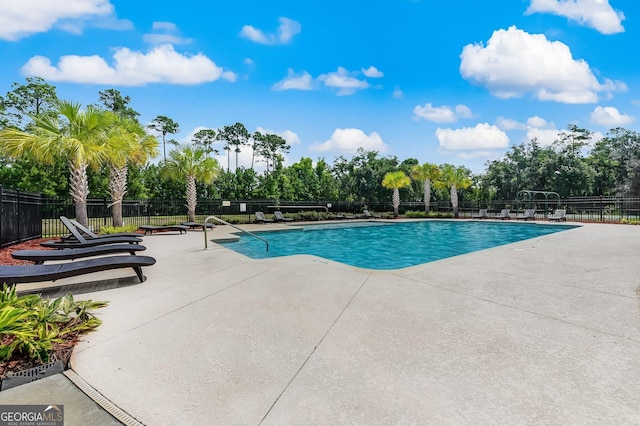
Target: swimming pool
[{"x": 386, "y": 245}]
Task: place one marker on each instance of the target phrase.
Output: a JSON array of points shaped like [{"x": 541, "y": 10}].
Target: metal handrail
[{"x": 233, "y": 226}]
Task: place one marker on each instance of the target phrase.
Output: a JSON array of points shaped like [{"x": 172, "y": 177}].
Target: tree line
[{"x": 572, "y": 166}]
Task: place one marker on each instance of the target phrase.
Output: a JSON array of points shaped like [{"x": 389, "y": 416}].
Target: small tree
[
  {"x": 73, "y": 134},
  {"x": 205, "y": 138},
  {"x": 395, "y": 181},
  {"x": 128, "y": 144},
  {"x": 454, "y": 178},
  {"x": 426, "y": 173},
  {"x": 192, "y": 164},
  {"x": 164, "y": 125}
]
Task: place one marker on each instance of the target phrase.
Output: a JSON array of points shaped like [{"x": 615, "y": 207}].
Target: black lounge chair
[
  {"x": 163, "y": 228},
  {"x": 88, "y": 232},
  {"x": 41, "y": 256},
  {"x": 559, "y": 215},
  {"x": 504, "y": 214},
  {"x": 528, "y": 214},
  {"x": 279, "y": 217},
  {"x": 260, "y": 218},
  {"x": 195, "y": 225},
  {"x": 12, "y": 274},
  {"x": 344, "y": 216},
  {"x": 482, "y": 214},
  {"x": 80, "y": 241},
  {"x": 367, "y": 214}
]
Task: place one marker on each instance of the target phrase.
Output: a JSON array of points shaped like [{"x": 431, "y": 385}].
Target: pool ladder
[{"x": 206, "y": 242}]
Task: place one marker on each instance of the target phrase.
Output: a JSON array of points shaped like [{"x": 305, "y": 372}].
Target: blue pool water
[{"x": 383, "y": 245}]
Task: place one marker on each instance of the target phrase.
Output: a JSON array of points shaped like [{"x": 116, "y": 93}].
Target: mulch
[
  {"x": 63, "y": 349},
  {"x": 5, "y": 252}
]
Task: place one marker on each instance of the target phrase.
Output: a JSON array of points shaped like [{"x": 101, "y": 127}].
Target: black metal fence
[
  {"x": 20, "y": 216},
  {"x": 142, "y": 212},
  {"x": 25, "y": 216}
]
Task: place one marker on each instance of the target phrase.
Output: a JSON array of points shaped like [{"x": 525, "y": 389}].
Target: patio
[{"x": 541, "y": 331}]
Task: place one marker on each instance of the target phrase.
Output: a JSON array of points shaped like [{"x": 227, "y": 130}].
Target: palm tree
[
  {"x": 70, "y": 133},
  {"x": 192, "y": 164},
  {"x": 395, "y": 181},
  {"x": 128, "y": 143},
  {"x": 454, "y": 178},
  {"x": 426, "y": 173}
]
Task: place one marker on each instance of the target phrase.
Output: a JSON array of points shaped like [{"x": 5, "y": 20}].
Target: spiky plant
[
  {"x": 128, "y": 143},
  {"x": 454, "y": 178},
  {"x": 71, "y": 133},
  {"x": 426, "y": 173},
  {"x": 191, "y": 163},
  {"x": 395, "y": 181}
]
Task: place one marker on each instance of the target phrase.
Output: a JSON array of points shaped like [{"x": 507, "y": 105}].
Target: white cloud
[
  {"x": 509, "y": 124},
  {"x": 398, "y": 93},
  {"x": 165, "y": 39},
  {"x": 164, "y": 26},
  {"x": 540, "y": 122},
  {"x": 168, "y": 34},
  {"x": 372, "y": 72},
  {"x": 596, "y": 14},
  {"x": 536, "y": 127},
  {"x": 292, "y": 138},
  {"x": 481, "y": 137},
  {"x": 292, "y": 81},
  {"x": 162, "y": 64},
  {"x": 284, "y": 34},
  {"x": 341, "y": 80},
  {"x": 22, "y": 18},
  {"x": 515, "y": 62},
  {"x": 609, "y": 117},
  {"x": 545, "y": 137},
  {"x": 349, "y": 140},
  {"x": 441, "y": 114}
]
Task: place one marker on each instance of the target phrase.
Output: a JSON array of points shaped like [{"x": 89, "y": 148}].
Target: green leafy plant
[
  {"x": 415, "y": 214},
  {"x": 630, "y": 221},
  {"x": 118, "y": 229},
  {"x": 31, "y": 325}
]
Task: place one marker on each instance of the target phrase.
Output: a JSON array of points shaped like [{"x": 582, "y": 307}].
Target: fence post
[{"x": 104, "y": 211}]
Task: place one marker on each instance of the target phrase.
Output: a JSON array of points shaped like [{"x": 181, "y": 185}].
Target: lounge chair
[
  {"x": 367, "y": 215},
  {"x": 504, "y": 214},
  {"x": 260, "y": 218},
  {"x": 528, "y": 214},
  {"x": 91, "y": 234},
  {"x": 12, "y": 274},
  {"x": 344, "y": 216},
  {"x": 482, "y": 214},
  {"x": 79, "y": 238},
  {"x": 195, "y": 225},
  {"x": 163, "y": 228},
  {"x": 41, "y": 256},
  {"x": 279, "y": 217},
  {"x": 560, "y": 215}
]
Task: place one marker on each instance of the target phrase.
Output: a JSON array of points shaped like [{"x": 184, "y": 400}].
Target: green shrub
[
  {"x": 118, "y": 229},
  {"x": 440, "y": 215},
  {"x": 31, "y": 325},
  {"x": 415, "y": 214},
  {"x": 630, "y": 221}
]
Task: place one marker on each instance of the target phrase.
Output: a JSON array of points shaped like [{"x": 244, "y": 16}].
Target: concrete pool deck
[{"x": 543, "y": 331}]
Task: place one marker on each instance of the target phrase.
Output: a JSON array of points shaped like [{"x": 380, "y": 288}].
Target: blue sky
[{"x": 442, "y": 81}]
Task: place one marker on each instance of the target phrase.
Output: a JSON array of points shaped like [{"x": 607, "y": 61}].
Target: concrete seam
[
  {"x": 99, "y": 399},
  {"x": 314, "y": 349}
]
